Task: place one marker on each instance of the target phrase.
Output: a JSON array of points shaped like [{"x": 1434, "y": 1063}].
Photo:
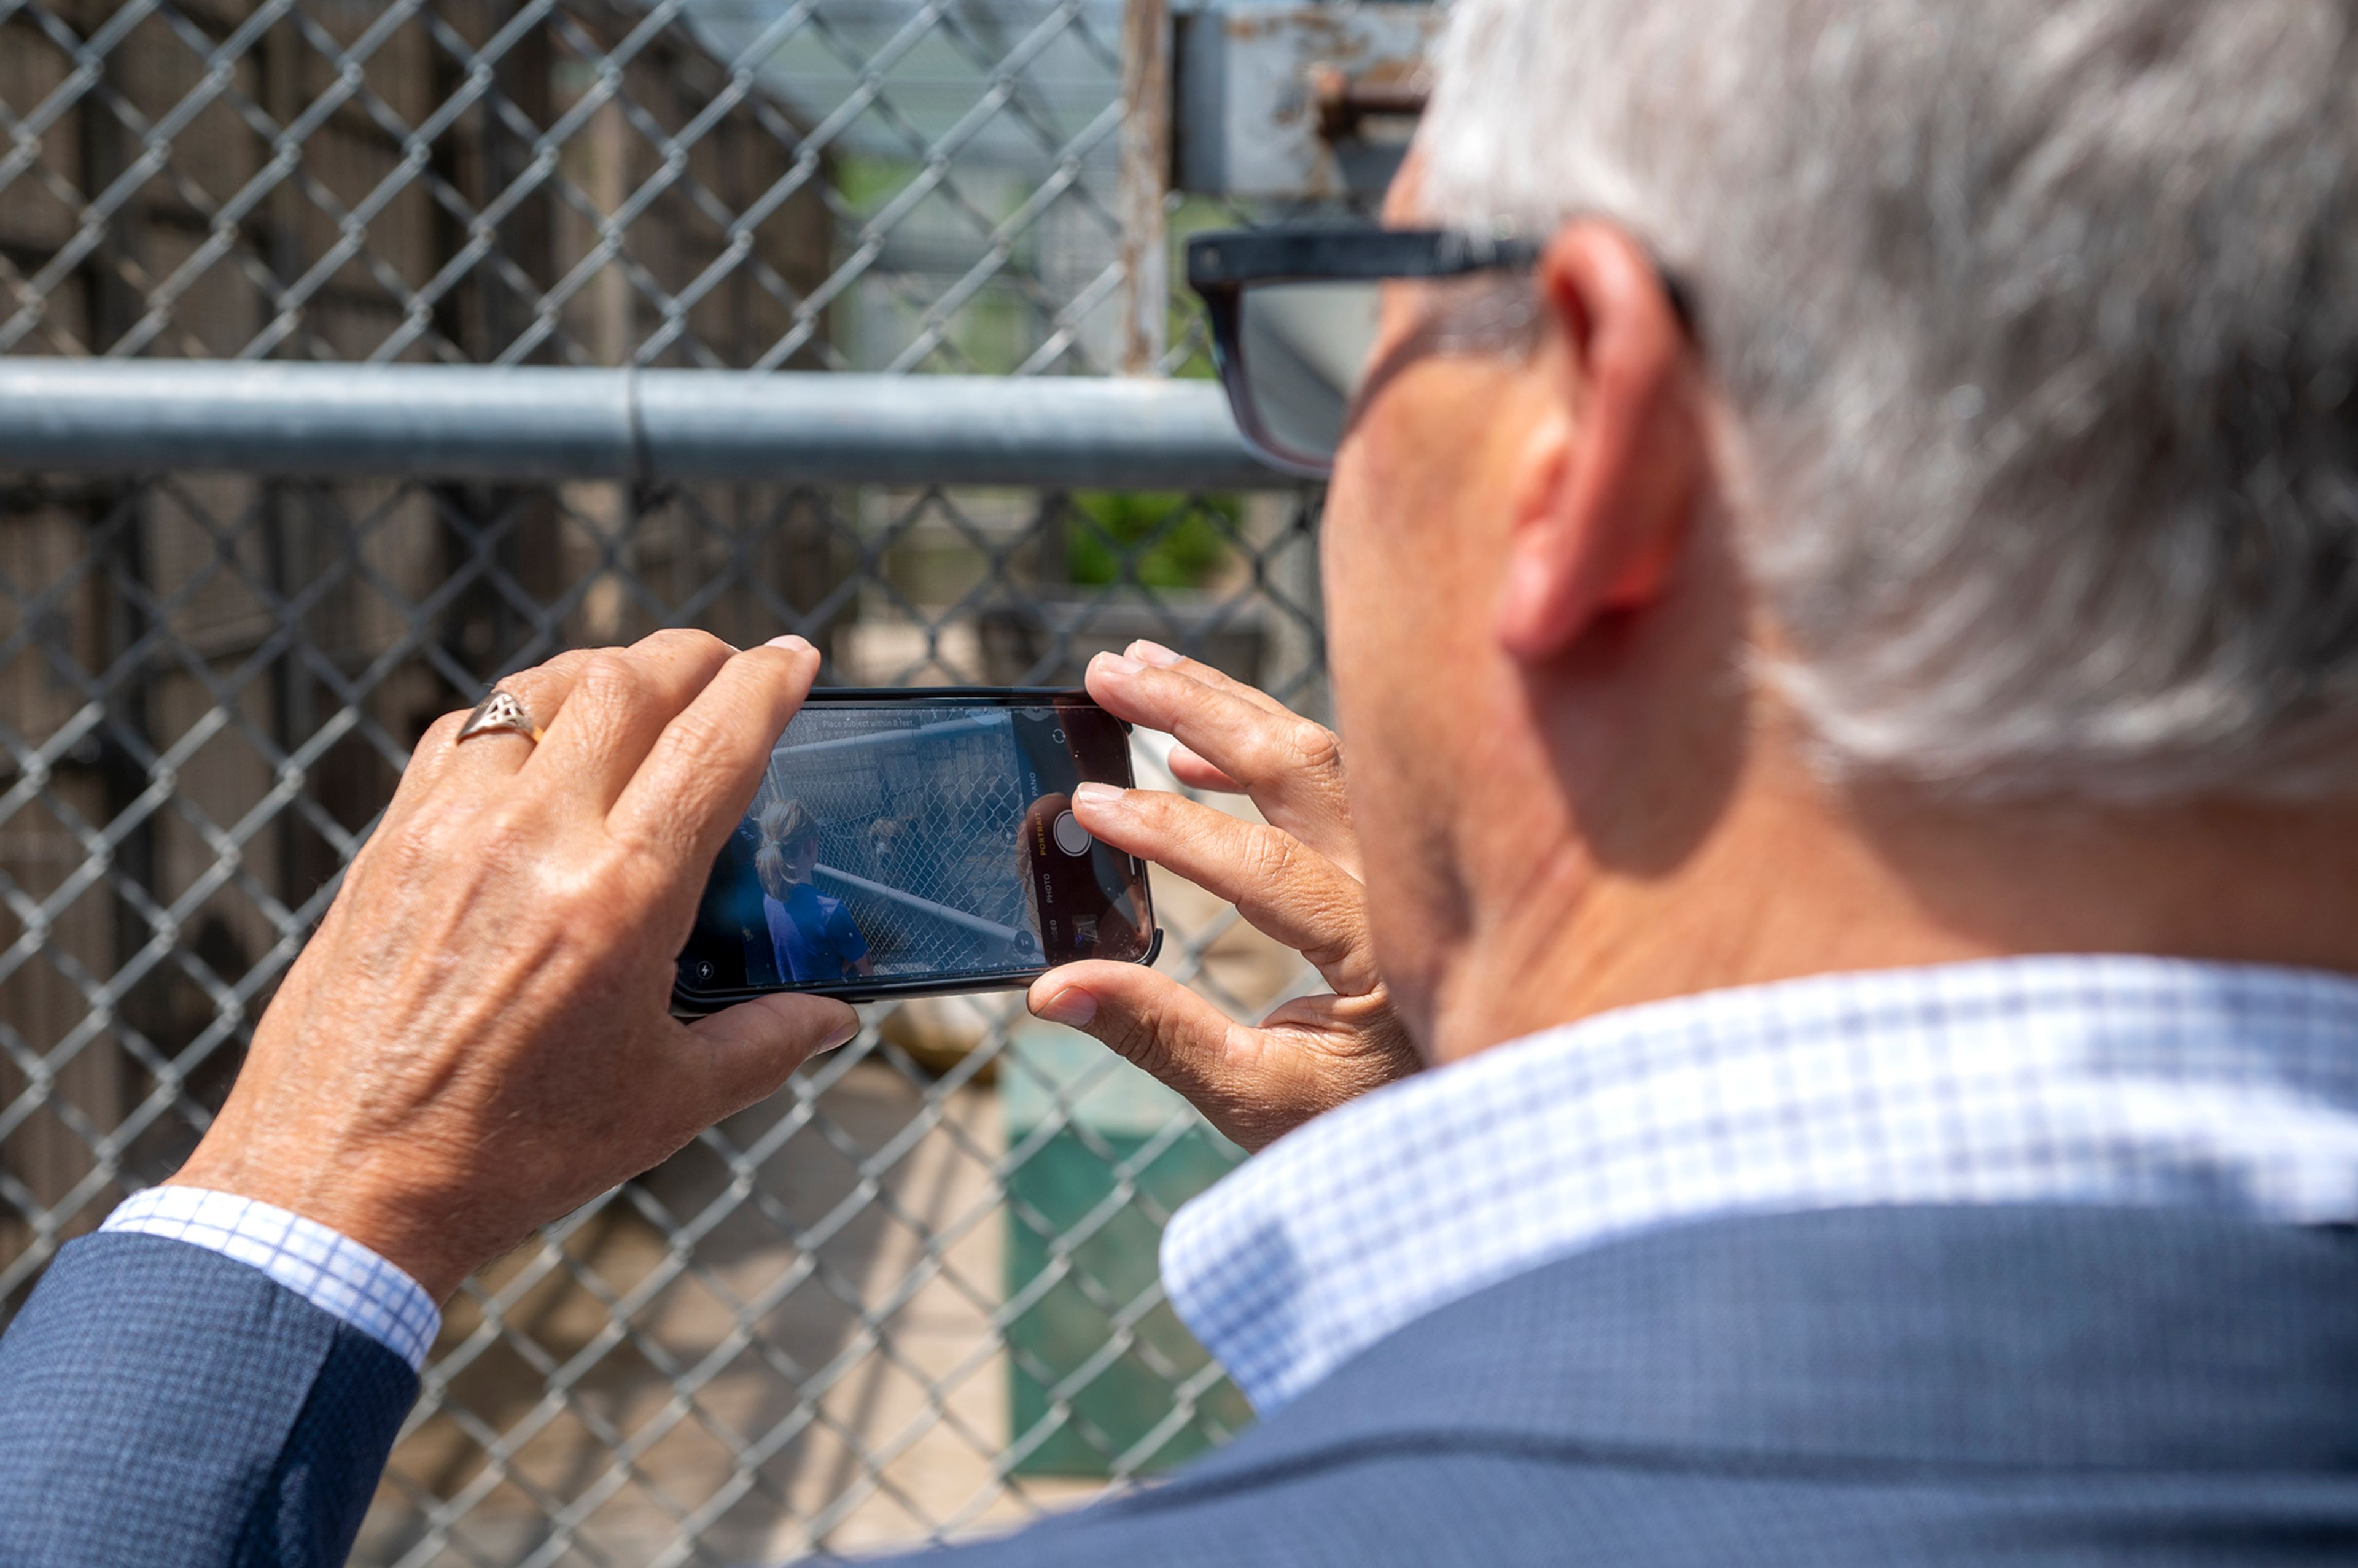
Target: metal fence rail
[{"x": 650, "y": 426}]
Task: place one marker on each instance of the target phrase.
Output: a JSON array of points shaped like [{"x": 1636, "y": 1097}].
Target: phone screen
[{"x": 907, "y": 844}]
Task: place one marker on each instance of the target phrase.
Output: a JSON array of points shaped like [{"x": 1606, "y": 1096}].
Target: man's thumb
[
  {"x": 753, "y": 1046},
  {"x": 1152, "y": 1021}
]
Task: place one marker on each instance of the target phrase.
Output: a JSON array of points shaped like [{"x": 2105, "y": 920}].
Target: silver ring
[{"x": 499, "y": 711}]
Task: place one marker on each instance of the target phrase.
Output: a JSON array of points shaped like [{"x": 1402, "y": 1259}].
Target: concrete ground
[{"x": 907, "y": 1403}]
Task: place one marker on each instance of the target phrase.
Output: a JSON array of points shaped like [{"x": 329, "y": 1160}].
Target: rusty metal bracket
[
  {"x": 1346, "y": 103},
  {"x": 1307, "y": 103}
]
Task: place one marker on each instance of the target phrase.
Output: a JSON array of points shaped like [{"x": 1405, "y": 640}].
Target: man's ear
[{"x": 1605, "y": 484}]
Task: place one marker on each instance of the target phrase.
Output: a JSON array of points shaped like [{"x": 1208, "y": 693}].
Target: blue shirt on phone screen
[{"x": 813, "y": 935}]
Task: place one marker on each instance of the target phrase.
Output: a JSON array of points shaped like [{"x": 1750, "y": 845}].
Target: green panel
[{"x": 1063, "y": 1185}]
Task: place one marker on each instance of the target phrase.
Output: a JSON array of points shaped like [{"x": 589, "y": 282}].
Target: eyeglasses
[
  {"x": 1294, "y": 318},
  {"x": 1294, "y": 314}
]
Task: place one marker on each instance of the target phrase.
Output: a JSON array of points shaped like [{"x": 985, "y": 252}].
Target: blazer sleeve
[{"x": 162, "y": 1404}]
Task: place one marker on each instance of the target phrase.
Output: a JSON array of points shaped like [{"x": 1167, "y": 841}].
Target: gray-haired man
[{"x": 1842, "y": 568}]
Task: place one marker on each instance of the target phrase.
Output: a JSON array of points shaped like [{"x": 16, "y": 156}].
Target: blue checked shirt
[
  {"x": 2126, "y": 1081},
  {"x": 325, "y": 1267}
]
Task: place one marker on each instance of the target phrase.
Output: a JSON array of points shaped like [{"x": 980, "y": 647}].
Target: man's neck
[{"x": 1796, "y": 879}]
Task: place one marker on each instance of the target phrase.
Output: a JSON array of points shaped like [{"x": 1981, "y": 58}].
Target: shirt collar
[{"x": 2111, "y": 1080}]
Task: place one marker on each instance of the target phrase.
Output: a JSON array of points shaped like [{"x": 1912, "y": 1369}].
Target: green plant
[{"x": 1158, "y": 540}]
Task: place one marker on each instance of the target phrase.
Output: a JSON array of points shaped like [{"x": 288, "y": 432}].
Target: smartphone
[{"x": 920, "y": 840}]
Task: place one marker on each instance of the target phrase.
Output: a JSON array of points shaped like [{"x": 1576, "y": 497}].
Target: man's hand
[
  {"x": 478, "y": 1039},
  {"x": 1296, "y": 878}
]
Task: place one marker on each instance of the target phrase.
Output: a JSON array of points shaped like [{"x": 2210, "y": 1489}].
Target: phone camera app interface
[{"x": 902, "y": 839}]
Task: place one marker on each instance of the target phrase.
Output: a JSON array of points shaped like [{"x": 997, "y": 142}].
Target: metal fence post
[{"x": 1145, "y": 180}]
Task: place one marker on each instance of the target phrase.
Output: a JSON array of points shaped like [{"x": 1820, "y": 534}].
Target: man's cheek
[
  {"x": 1410, "y": 905},
  {"x": 1350, "y": 588}
]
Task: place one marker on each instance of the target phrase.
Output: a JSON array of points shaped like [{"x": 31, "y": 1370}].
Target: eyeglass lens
[{"x": 1304, "y": 347}]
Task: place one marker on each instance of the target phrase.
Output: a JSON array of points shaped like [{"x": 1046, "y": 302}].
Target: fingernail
[
  {"x": 791, "y": 643},
  {"x": 1154, "y": 654},
  {"x": 1071, "y": 1006},
  {"x": 1117, "y": 664},
  {"x": 844, "y": 1034},
  {"x": 1103, "y": 795}
]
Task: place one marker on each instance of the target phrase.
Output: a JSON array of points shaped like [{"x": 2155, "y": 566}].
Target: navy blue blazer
[
  {"x": 2023, "y": 1386},
  {"x": 160, "y": 1403}
]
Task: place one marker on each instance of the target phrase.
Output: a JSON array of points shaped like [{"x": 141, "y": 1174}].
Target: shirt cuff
[{"x": 325, "y": 1267}]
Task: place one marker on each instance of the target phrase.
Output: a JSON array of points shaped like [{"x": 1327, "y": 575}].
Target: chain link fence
[
  {"x": 753, "y": 184},
  {"x": 913, "y": 1295}
]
